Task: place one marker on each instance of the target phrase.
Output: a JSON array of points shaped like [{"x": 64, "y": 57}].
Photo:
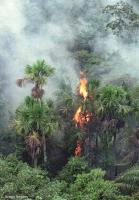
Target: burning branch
[
  {"x": 82, "y": 117},
  {"x": 83, "y": 86}
]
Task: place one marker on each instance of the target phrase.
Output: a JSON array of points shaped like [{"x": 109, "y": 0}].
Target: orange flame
[
  {"x": 83, "y": 86},
  {"x": 88, "y": 116},
  {"x": 78, "y": 149},
  {"x": 82, "y": 118},
  {"x": 79, "y": 118}
]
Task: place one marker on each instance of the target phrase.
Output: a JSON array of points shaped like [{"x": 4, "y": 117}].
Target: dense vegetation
[{"x": 38, "y": 159}]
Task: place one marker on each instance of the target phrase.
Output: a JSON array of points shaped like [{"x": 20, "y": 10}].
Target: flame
[
  {"x": 82, "y": 118},
  {"x": 83, "y": 86},
  {"x": 78, "y": 117},
  {"x": 88, "y": 116},
  {"x": 78, "y": 149}
]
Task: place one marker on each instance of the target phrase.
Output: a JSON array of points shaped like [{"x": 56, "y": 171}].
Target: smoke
[
  {"x": 48, "y": 29},
  {"x": 127, "y": 59},
  {"x": 27, "y": 35},
  {"x": 124, "y": 59}
]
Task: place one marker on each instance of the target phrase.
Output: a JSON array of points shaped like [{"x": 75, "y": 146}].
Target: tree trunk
[
  {"x": 44, "y": 149},
  {"x": 114, "y": 142},
  {"x": 88, "y": 148},
  {"x": 114, "y": 138},
  {"x": 34, "y": 159},
  {"x": 96, "y": 141},
  {"x": 35, "y": 162}
]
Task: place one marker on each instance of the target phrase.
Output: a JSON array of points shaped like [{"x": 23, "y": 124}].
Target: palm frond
[{"x": 128, "y": 182}]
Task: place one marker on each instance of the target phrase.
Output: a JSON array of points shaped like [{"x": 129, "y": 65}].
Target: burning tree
[
  {"x": 83, "y": 118},
  {"x": 101, "y": 118}
]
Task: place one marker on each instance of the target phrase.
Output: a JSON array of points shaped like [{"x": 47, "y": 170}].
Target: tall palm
[
  {"x": 35, "y": 114},
  {"x": 113, "y": 104},
  {"x": 48, "y": 124},
  {"x": 39, "y": 117},
  {"x": 37, "y": 74}
]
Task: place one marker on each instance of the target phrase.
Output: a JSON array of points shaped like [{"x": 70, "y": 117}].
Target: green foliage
[
  {"x": 65, "y": 108},
  {"x": 75, "y": 166},
  {"x": 91, "y": 62},
  {"x": 128, "y": 182},
  {"x": 35, "y": 115},
  {"x": 4, "y": 111},
  {"x": 86, "y": 58},
  {"x": 105, "y": 157},
  {"x": 113, "y": 102},
  {"x": 54, "y": 190},
  {"x": 65, "y": 99},
  {"x": 93, "y": 186},
  {"x": 8, "y": 141},
  {"x": 123, "y": 20},
  {"x": 18, "y": 179},
  {"x": 37, "y": 118},
  {"x": 38, "y": 72},
  {"x": 93, "y": 84}
]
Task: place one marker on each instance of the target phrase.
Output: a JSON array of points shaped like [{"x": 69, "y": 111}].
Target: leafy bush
[
  {"x": 128, "y": 182},
  {"x": 75, "y": 166},
  {"x": 93, "y": 186},
  {"x": 17, "y": 179}
]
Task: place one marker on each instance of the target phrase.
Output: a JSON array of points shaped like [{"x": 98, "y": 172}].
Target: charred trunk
[
  {"x": 34, "y": 159},
  {"x": 88, "y": 146},
  {"x": 35, "y": 162},
  {"x": 37, "y": 92},
  {"x": 44, "y": 149}
]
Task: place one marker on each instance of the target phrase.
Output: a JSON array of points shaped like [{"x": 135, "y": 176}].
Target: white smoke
[
  {"x": 20, "y": 47},
  {"x": 30, "y": 30}
]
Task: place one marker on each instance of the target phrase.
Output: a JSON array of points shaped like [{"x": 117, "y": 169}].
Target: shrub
[{"x": 75, "y": 166}]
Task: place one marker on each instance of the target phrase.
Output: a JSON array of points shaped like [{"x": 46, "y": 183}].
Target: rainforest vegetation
[{"x": 80, "y": 144}]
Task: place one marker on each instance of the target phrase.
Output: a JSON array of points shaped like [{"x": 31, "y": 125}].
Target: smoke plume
[{"x": 48, "y": 29}]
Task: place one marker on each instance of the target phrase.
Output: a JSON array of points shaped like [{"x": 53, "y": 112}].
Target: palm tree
[
  {"x": 33, "y": 146},
  {"x": 113, "y": 105},
  {"x": 128, "y": 182},
  {"x": 35, "y": 114},
  {"x": 48, "y": 124},
  {"x": 65, "y": 99},
  {"x": 36, "y": 74}
]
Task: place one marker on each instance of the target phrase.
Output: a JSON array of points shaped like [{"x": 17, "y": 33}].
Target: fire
[
  {"x": 78, "y": 149},
  {"x": 88, "y": 116},
  {"x": 82, "y": 118},
  {"x": 78, "y": 117},
  {"x": 83, "y": 86}
]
